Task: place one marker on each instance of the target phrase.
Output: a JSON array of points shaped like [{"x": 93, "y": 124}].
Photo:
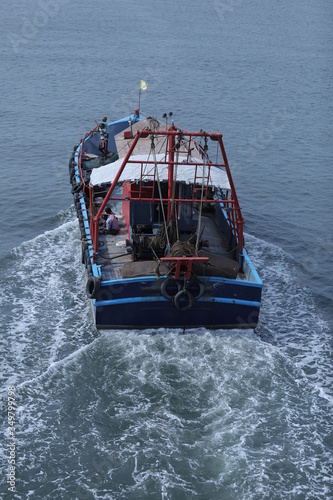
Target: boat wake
[
  {"x": 45, "y": 315},
  {"x": 229, "y": 414},
  {"x": 44, "y": 305},
  {"x": 290, "y": 318}
]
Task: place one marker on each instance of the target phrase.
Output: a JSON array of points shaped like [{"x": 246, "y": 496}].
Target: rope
[
  {"x": 174, "y": 185},
  {"x": 160, "y": 192},
  {"x": 200, "y": 209},
  {"x": 111, "y": 258},
  {"x": 182, "y": 249},
  {"x": 174, "y": 192}
]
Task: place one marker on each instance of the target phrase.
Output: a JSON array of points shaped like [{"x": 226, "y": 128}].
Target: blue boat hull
[
  {"x": 162, "y": 314},
  {"x": 122, "y": 306}
]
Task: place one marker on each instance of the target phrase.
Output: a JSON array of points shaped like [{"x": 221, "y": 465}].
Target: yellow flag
[{"x": 143, "y": 85}]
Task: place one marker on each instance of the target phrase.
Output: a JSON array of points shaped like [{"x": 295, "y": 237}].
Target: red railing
[{"x": 234, "y": 215}]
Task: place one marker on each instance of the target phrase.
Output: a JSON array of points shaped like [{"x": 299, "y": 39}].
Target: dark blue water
[{"x": 206, "y": 415}]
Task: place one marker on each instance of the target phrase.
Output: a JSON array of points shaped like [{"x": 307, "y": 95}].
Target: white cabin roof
[{"x": 132, "y": 171}]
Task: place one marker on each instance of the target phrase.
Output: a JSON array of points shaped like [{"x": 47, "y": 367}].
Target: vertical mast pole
[
  {"x": 236, "y": 207},
  {"x": 171, "y": 165}
]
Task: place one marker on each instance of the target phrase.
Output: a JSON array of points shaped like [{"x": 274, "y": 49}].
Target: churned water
[{"x": 162, "y": 415}]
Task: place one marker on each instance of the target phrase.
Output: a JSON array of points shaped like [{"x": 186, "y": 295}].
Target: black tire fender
[
  {"x": 86, "y": 258},
  {"x": 165, "y": 288},
  {"x": 183, "y": 305},
  {"x": 84, "y": 249},
  {"x": 196, "y": 288},
  {"x": 78, "y": 209},
  {"x": 77, "y": 187},
  {"x": 93, "y": 286},
  {"x": 71, "y": 174},
  {"x": 76, "y": 197}
]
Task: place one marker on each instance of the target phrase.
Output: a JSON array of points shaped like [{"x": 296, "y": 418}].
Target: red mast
[{"x": 171, "y": 167}]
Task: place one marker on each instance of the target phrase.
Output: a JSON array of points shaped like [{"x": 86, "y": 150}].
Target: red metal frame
[
  {"x": 235, "y": 217},
  {"x": 171, "y": 166},
  {"x": 165, "y": 200},
  {"x": 179, "y": 262},
  {"x": 239, "y": 223}
]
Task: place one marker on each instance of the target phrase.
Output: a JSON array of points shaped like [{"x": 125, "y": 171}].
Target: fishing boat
[{"x": 176, "y": 258}]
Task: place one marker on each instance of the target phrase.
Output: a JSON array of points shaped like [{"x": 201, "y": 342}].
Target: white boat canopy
[{"x": 185, "y": 172}]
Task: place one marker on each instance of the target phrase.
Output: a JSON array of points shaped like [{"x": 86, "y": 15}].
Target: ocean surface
[{"x": 211, "y": 415}]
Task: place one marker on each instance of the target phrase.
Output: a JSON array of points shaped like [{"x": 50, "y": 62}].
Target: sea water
[{"x": 88, "y": 414}]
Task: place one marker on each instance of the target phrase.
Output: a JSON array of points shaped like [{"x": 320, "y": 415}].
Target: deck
[{"x": 117, "y": 263}]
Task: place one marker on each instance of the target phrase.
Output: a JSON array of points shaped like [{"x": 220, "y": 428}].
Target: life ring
[
  {"x": 183, "y": 300},
  {"x": 170, "y": 288},
  {"x": 93, "y": 287}
]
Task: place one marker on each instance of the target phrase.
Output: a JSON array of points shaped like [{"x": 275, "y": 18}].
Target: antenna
[{"x": 166, "y": 118}]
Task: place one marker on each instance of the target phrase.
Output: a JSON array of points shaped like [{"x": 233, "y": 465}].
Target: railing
[
  {"x": 234, "y": 215},
  {"x": 89, "y": 134}
]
